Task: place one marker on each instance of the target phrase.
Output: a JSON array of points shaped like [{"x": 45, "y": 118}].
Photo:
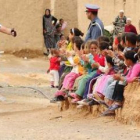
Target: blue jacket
[{"x": 95, "y": 29}]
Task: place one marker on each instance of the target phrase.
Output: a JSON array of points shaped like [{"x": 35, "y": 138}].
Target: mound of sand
[
  {"x": 130, "y": 114},
  {"x": 27, "y": 53}
]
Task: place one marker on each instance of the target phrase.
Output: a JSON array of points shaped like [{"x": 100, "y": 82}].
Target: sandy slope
[{"x": 27, "y": 115}]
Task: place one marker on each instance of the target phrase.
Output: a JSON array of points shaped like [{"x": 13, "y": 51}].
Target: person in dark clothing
[
  {"x": 57, "y": 34},
  {"x": 49, "y": 23}
]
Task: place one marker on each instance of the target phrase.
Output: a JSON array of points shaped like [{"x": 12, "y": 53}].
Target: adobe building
[{"x": 26, "y": 17}]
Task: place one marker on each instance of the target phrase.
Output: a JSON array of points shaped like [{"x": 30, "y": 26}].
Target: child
[
  {"x": 67, "y": 67},
  {"x": 101, "y": 81},
  {"x": 87, "y": 58},
  {"x": 99, "y": 58},
  {"x": 75, "y": 62},
  {"x": 62, "y": 44},
  {"x": 117, "y": 98},
  {"x": 54, "y": 68},
  {"x": 131, "y": 40},
  {"x": 76, "y": 71}
]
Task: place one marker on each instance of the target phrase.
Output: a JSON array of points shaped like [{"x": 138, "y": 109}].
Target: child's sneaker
[
  {"x": 83, "y": 102},
  {"x": 74, "y": 101}
]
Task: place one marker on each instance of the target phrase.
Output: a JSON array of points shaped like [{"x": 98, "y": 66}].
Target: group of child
[{"x": 95, "y": 72}]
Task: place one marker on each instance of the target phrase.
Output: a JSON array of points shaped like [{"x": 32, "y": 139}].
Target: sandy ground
[{"x": 26, "y": 114}]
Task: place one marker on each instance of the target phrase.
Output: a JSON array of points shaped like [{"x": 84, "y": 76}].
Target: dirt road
[{"x": 26, "y": 114}]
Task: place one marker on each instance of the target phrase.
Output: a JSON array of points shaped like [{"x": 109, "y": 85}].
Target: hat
[
  {"x": 92, "y": 8},
  {"x": 121, "y": 11},
  {"x": 129, "y": 19}
]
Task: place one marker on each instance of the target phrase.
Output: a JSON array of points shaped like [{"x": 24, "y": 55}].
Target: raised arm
[{"x": 8, "y": 31}]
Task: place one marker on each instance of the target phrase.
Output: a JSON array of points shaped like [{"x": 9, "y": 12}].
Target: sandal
[
  {"x": 114, "y": 107},
  {"x": 108, "y": 113},
  {"x": 53, "y": 100},
  {"x": 60, "y": 93},
  {"x": 74, "y": 101},
  {"x": 57, "y": 99},
  {"x": 93, "y": 102},
  {"x": 103, "y": 103},
  {"x": 72, "y": 95}
]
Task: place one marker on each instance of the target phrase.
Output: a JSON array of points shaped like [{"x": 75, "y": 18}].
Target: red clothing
[
  {"x": 130, "y": 28},
  {"x": 100, "y": 59},
  {"x": 54, "y": 63}
]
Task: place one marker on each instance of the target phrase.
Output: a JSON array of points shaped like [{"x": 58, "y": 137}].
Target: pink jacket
[{"x": 133, "y": 72}]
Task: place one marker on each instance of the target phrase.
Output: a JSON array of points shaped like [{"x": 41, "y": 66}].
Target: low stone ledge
[{"x": 129, "y": 114}]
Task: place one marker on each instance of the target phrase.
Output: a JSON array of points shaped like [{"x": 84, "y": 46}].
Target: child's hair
[
  {"x": 133, "y": 56},
  {"x": 88, "y": 45},
  {"x": 103, "y": 45},
  {"x": 109, "y": 60},
  {"x": 103, "y": 38},
  {"x": 131, "y": 38},
  {"x": 123, "y": 37},
  {"x": 62, "y": 35},
  {"x": 76, "y": 32},
  {"x": 55, "y": 52},
  {"x": 58, "y": 26},
  {"x": 67, "y": 38},
  {"x": 94, "y": 42},
  {"x": 78, "y": 41},
  {"x": 83, "y": 46},
  {"x": 60, "y": 19},
  {"x": 120, "y": 48},
  {"x": 48, "y": 11},
  {"x": 138, "y": 38}
]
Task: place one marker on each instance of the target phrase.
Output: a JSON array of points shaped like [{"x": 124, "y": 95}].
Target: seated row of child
[{"x": 99, "y": 72}]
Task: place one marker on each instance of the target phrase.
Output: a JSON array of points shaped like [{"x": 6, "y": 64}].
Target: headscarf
[{"x": 47, "y": 16}]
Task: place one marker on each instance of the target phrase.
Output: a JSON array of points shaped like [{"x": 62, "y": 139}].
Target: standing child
[{"x": 54, "y": 68}]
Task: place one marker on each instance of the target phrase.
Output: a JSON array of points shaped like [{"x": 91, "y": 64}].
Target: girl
[
  {"x": 67, "y": 67},
  {"x": 77, "y": 70},
  {"x": 62, "y": 44},
  {"x": 85, "y": 51},
  {"x": 75, "y": 62},
  {"x": 54, "y": 68},
  {"x": 91, "y": 50},
  {"x": 117, "y": 98},
  {"x": 101, "y": 81},
  {"x": 78, "y": 95}
]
